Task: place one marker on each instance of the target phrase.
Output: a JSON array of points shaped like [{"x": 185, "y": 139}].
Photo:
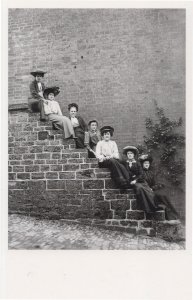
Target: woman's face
[
  {"x": 51, "y": 96},
  {"x": 146, "y": 164},
  {"x": 130, "y": 155},
  {"x": 93, "y": 126},
  {"x": 107, "y": 136},
  {"x": 38, "y": 78},
  {"x": 73, "y": 111}
]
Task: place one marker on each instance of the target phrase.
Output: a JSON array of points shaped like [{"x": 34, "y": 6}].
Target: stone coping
[{"x": 18, "y": 106}]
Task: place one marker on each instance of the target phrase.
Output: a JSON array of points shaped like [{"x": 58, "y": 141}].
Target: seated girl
[
  {"x": 144, "y": 194},
  {"x": 92, "y": 137},
  {"x": 108, "y": 157},
  {"x": 78, "y": 124},
  {"x": 53, "y": 112},
  {"x": 161, "y": 200}
]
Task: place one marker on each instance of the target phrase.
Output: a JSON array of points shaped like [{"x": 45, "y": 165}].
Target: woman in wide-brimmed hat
[
  {"x": 161, "y": 199},
  {"x": 37, "y": 88},
  {"x": 79, "y": 125},
  {"x": 54, "y": 114},
  {"x": 108, "y": 157},
  {"x": 92, "y": 137},
  {"x": 144, "y": 194}
]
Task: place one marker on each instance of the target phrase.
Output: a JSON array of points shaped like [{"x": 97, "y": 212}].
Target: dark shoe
[{"x": 43, "y": 119}]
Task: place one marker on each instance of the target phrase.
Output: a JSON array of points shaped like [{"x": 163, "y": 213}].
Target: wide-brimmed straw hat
[
  {"x": 130, "y": 148},
  {"x": 38, "y": 72},
  {"x": 54, "y": 89}
]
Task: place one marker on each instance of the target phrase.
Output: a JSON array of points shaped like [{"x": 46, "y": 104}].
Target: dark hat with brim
[
  {"x": 54, "y": 89},
  {"x": 107, "y": 129},
  {"x": 130, "y": 148},
  {"x": 92, "y": 121},
  {"x": 38, "y": 72},
  {"x": 145, "y": 157}
]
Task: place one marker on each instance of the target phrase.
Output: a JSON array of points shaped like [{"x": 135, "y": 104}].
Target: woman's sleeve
[
  {"x": 115, "y": 151},
  {"x": 33, "y": 91},
  {"x": 99, "y": 154},
  {"x": 86, "y": 138},
  {"x": 140, "y": 176},
  {"x": 59, "y": 110}
]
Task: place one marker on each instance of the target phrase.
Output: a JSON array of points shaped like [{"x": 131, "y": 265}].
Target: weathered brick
[
  {"x": 32, "y": 136},
  {"x": 56, "y": 184},
  {"x": 158, "y": 216},
  {"x": 23, "y": 176},
  {"x": 21, "y": 150},
  {"x": 120, "y": 207},
  {"x": 129, "y": 223},
  {"x": 15, "y": 162},
  {"x": 142, "y": 232},
  {"x": 93, "y": 184},
  {"x": 71, "y": 155},
  {"x": 73, "y": 186},
  {"x": 12, "y": 176},
  {"x": 91, "y": 160},
  {"x": 28, "y": 156},
  {"x": 85, "y": 174},
  {"x": 10, "y": 150},
  {"x": 146, "y": 223},
  {"x": 37, "y": 175},
  {"x": 67, "y": 175},
  {"x": 51, "y": 161},
  {"x": 39, "y": 161},
  {"x": 53, "y": 148},
  {"x": 103, "y": 175},
  {"x": 56, "y": 156},
  {"x": 10, "y": 169},
  {"x": 33, "y": 168},
  {"x": 18, "y": 185},
  {"x": 18, "y": 169},
  {"x": 15, "y": 156},
  {"x": 44, "y": 168},
  {"x": 71, "y": 167},
  {"x": 39, "y": 185},
  {"x": 101, "y": 210},
  {"x": 135, "y": 215},
  {"x": 27, "y": 162},
  {"x": 84, "y": 166},
  {"x": 43, "y": 156},
  {"x": 111, "y": 194},
  {"x": 75, "y": 160},
  {"x": 62, "y": 161},
  {"x": 56, "y": 168},
  {"x": 26, "y": 143},
  {"x": 36, "y": 149},
  {"x": 42, "y": 135},
  {"x": 52, "y": 175}
]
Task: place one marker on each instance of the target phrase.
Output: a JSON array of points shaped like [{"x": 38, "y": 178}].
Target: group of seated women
[{"x": 132, "y": 172}]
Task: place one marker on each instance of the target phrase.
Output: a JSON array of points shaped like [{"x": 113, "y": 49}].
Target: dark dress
[
  {"x": 80, "y": 132},
  {"x": 36, "y": 102},
  {"x": 161, "y": 200},
  {"x": 91, "y": 140},
  {"x": 144, "y": 194}
]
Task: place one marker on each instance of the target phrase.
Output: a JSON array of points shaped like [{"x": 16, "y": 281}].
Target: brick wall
[
  {"x": 112, "y": 62},
  {"x": 49, "y": 178}
]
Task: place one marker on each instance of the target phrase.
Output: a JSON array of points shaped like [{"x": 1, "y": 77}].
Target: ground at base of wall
[{"x": 32, "y": 233}]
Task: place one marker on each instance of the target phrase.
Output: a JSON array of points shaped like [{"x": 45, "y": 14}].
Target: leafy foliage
[{"x": 165, "y": 144}]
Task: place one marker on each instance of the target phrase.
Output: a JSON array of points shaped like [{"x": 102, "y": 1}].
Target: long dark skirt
[
  {"x": 79, "y": 133},
  {"x": 119, "y": 173},
  {"x": 170, "y": 212},
  {"x": 145, "y": 197}
]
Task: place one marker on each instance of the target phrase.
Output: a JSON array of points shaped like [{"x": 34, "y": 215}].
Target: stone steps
[{"x": 49, "y": 178}]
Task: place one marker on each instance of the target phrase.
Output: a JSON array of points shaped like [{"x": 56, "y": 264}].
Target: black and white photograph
[
  {"x": 97, "y": 135},
  {"x": 97, "y": 129}
]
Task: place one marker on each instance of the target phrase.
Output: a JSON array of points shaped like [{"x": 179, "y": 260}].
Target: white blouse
[
  {"x": 106, "y": 148},
  {"x": 74, "y": 122},
  {"x": 52, "y": 107}
]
